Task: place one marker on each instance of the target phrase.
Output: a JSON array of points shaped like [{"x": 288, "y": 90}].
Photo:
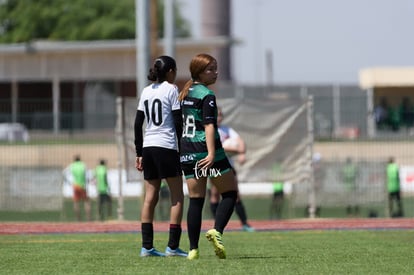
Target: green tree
[{"x": 26, "y": 20}]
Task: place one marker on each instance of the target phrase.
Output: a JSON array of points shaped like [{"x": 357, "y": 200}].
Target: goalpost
[
  {"x": 126, "y": 110},
  {"x": 278, "y": 130}
]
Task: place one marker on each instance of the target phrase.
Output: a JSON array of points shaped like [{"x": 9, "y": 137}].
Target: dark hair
[
  {"x": 102, "y": 162},
  {"x": 162, "y": 65},
  {"x": 197, "y": 65}
]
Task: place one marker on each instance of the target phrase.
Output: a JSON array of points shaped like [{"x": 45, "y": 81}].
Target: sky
[{"x": 314, "y": 42}]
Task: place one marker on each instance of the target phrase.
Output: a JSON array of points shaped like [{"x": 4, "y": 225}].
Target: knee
[
  {"x": 230, "y": 194},
  {"x": 177, "y": 196}
]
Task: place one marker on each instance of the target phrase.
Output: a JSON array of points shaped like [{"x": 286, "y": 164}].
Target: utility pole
[{"x": 154, "y": 52}]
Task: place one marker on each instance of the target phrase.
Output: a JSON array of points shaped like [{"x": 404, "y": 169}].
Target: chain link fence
[{"x": 272, "y": 120}]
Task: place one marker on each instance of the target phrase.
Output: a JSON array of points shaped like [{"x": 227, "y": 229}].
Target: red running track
[{"x": 259, "y": 225}]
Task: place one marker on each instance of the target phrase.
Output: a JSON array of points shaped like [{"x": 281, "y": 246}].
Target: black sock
[
  {"x": 225, "y": 210},
  {"x": 175, "y": 235},
  {"x": 213, "y": 208},
  {"x": 147, "y": 232},
  {"x": 194, "y": 217},
  {"x": 241, "y": 212}
]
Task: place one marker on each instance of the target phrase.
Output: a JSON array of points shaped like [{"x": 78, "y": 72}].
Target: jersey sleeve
[
  {"x": 209, "y": 107},
  {"x": 233, "y": 133},
  {"x": 173, "y": 95},
  {"x": 141, "y": 101}
]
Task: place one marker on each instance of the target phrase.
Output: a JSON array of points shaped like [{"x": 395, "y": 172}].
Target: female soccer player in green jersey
[{"x": 202, "y": 155}]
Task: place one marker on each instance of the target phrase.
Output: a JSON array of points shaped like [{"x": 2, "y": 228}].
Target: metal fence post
[
  {"x": 312, "y": 193},
  {"x": 120, "y": 144}
]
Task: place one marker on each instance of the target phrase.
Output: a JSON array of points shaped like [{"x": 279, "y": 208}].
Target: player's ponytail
[{"x": 184, "y": 91}]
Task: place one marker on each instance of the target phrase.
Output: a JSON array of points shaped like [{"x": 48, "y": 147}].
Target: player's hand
[
  {"x": 241, "y": 158},
  {"x": 206, "y": 162},
  {"x": 138, "y": 164}
]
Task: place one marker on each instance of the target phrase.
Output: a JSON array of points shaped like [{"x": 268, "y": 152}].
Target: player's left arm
[
  {"x": 241, "y": 147},
  {"x": 178, "y": 123},
  {"x": 139, "y": 120},
  {"x": 209, "y": 110}
]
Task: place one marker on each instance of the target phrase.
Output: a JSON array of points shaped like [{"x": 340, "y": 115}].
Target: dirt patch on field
[
  {"x": 270, "y": 225},
  {"x": 376, "y": 151},
  {"x": 62, "y": 155},
  {"x": 57, "y": 155}
]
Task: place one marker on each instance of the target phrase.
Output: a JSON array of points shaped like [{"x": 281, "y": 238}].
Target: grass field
[{"x": 287, "y": 252}]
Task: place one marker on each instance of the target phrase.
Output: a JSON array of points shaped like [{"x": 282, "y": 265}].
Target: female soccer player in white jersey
[
  {"x": 202, "y": 155},
  {"x": 235, "y": 147},
  {"x": 158, "y": 153}
]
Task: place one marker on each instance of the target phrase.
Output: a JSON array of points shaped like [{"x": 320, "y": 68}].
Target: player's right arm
[{"x": 139, "y": 120}]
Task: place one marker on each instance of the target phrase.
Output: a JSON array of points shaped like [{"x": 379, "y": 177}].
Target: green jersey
[
  {"x": 101, "y": 179},
  {"x": 349, "y": 173},
  {"x": 199, "y": 108},
  {"x": 277, "y": 187},
  {"x": 78, "y": 170},
  {"x": 393, "y": 179}
]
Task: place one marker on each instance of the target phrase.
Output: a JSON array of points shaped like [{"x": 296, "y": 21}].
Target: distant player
[
  {"x": 104, "y": 193},
  {"x": 277, "y": 200},
  {"x": 234, "y": 146},
  {"x": 78, "y": 171},
  {"x": 393, "y": 188},
  {"x": 349, "y": 178}
]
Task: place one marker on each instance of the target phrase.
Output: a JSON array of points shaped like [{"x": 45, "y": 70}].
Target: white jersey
[
  {"x": 226, "y": 132},
  {"x": 157, "y": 101}
]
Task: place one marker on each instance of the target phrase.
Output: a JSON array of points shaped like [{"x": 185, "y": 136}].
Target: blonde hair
[{"x": 197, "y": 65}]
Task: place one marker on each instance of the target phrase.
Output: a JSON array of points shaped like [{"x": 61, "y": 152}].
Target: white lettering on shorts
[{"x": 201, "y": 173}]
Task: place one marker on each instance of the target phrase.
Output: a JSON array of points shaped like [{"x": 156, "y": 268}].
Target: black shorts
[
  {"x": 164, "y": 192},
  {"x": 220, "y": 167},
  {"x": 278, "y": 195},
  {"x": 394, "y": 195},
  {"x": 160, "y": 163},
  {"x": 104, "y": 198}
]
